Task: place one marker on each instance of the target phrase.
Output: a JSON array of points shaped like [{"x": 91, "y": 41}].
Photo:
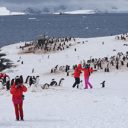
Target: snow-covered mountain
[
  {"x": 78, "y": 12},
  {"x": 4, "y": 11}
]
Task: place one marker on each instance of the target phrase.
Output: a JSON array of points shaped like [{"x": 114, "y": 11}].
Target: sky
[{"x": 66, "y": 4}]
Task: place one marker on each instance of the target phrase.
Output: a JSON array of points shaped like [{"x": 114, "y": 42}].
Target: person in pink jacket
[{"x": 87, "y": 71}]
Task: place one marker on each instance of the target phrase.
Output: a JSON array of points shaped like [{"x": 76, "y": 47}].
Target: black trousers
[{"x": 77, "y": 81}]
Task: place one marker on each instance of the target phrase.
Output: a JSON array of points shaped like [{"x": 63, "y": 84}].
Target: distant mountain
[
  {"x": 4, "y": 11},
  {"x": 64, "y": 10},
  {"x": 32, "y": 11},
  {"x": 113, "y": 9},
  {"x": 44, "y": 10}
]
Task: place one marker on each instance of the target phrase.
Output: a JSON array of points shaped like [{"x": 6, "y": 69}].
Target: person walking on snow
[
  {"x": 77, "y": 73},
  {"x": 87, "y": 71},
  {"x": 17, "y": 90}
]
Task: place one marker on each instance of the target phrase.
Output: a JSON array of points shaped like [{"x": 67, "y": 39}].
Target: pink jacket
[{"x": 87, "y": 72}]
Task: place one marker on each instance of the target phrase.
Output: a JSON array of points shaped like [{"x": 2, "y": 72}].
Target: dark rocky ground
[{"x": 4, "y": 63}]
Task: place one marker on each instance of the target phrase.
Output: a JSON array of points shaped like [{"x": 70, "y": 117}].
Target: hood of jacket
[{"x": 79, "y": 66}]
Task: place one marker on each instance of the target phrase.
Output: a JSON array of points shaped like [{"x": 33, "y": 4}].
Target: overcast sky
[{"x": 69, "y": 4}]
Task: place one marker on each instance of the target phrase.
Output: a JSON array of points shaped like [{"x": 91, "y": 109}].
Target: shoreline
[
  {"x": 27, "y": 41},
  {"x": 82, "y": 41}
]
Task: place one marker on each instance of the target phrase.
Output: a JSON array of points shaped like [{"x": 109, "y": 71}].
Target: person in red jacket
[
  {"x": 87, "y": 71},
  {"x": 17, "y": 90},
  {"x": 77, "y": 73}
]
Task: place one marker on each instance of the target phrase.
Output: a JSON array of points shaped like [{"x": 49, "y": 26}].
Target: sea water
[{"x": 14, "y": 29}]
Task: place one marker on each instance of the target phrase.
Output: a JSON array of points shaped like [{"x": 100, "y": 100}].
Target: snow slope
[
  {"x": 4, "y": 11},
  {"x": 67, "y": 107}
]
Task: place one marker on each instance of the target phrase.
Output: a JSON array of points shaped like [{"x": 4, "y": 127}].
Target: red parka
[
  {"x": 77, "y": 71},
  {"x": 2, "y": 75},
  {"x": 17, "y": 93},
  {"x": 87, "y": 72}
]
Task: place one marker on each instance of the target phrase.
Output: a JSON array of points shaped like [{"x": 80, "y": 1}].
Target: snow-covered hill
[
  {"x": 64, "y": 106},
  {"x": 4, "y": 11},
  {"x": 78, "y": 12}
]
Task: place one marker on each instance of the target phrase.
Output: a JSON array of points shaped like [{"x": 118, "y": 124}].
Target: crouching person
[{"x": 17, "y": 90}]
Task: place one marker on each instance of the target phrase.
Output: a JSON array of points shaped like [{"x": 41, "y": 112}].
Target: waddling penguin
[{"x": 103, "y": 84}]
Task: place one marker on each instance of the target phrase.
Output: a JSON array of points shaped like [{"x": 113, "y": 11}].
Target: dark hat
[
  {"x": 87, "y": 66},
  {"x": 17, "y": 80}
]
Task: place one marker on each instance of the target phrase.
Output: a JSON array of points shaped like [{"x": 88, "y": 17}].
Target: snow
[
  {"x": 64, "y": 106},
  {"x": 79, "y": 12},
  {"x": 32, "y": 18},
  {"x": 17, "y": 13},
  {"x": 4, "y": 11}
]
